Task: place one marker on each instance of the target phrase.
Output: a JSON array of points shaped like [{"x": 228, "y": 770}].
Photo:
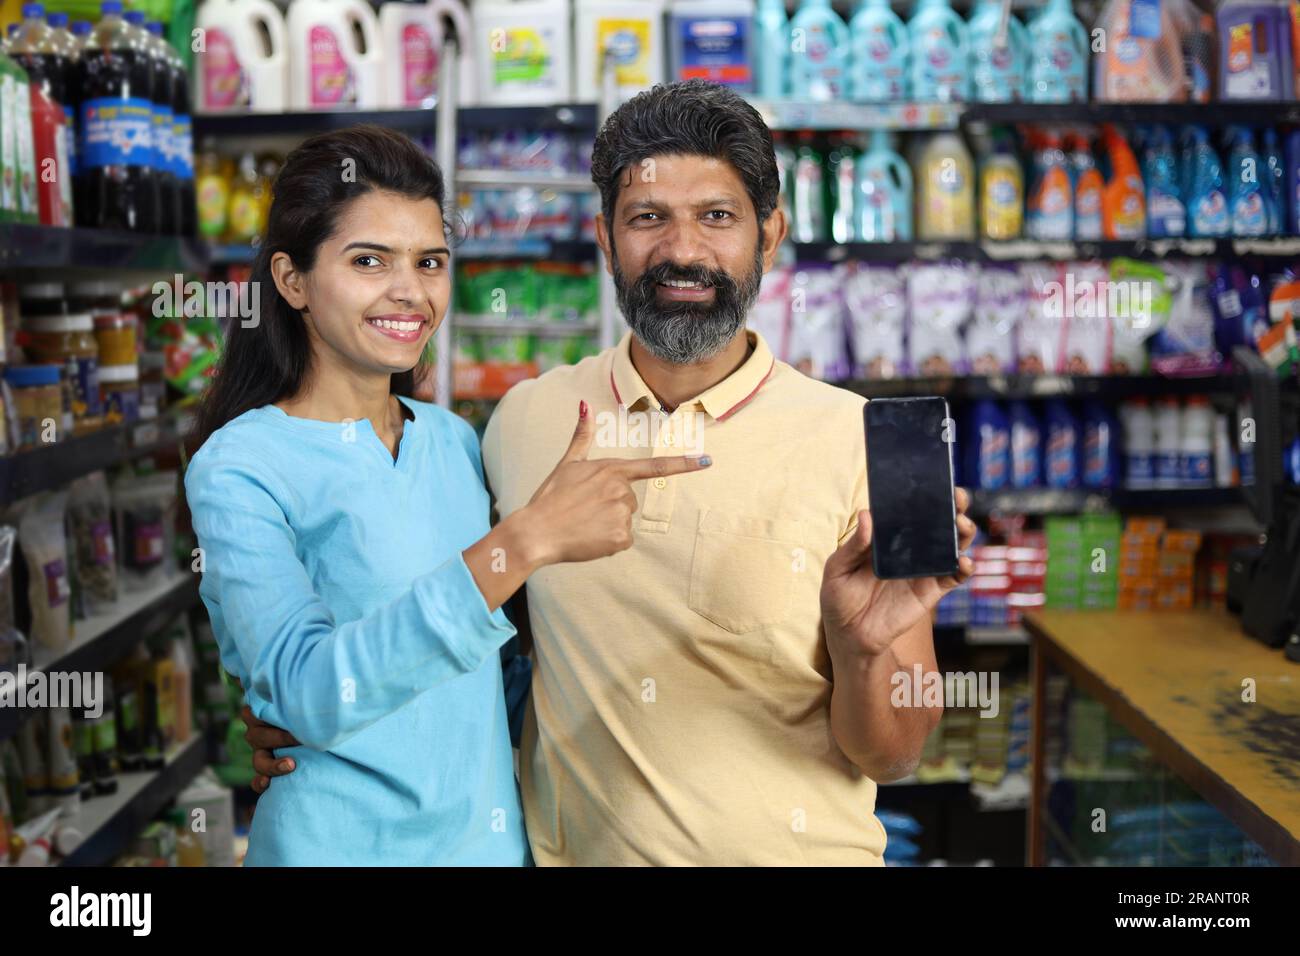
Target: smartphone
[{"x": 910, "y": 487}]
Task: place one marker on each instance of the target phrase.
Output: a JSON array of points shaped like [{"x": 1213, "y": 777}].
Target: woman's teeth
[{"x": 395, "y": 326}]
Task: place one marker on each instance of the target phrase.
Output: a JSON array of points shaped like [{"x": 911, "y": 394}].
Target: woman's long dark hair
[{"x": 270, "y": 361}]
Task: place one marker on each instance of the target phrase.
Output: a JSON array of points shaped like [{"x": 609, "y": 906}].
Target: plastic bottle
[
  {"x": 945, "y": 195},
  {"x": 1246, "y": 175},
  {"x": 939, "y": 53},
  {"x": 1143, "y": 59},
  {"x": 1088, "y": 189},
  {"x": 164, "y": 95},
  {"x": 1058, "y": 65},
  {"x": 841, "y": 169},
  {"x": 334, "y": 56},
  {"x": 1061, "y": 466},
  {"x": 1200, "y": 56},
  {"x": 189, "y": 848},
  {"x": 772, "y": 50},
  {"x": 18, "y": 136},
  {"x": 1050, "y": 208},
  {"x": 36, "y": 49},
  {"x": 244, "y": 62},
  {"x": 809, "y": 193},
  {"x": 1254, "y": 50},
  {"x": 1196, "y": 467},
  {"x": 182, "y": 143},
  {"x": 212, "y": 185},
  {"x": 1101, "y": 447},
  {"x": 632, "y": 31},
  {"x": 244, "y": 216},
  {"x": 820, "y": 70},
  {"x": 412, "y": 36},
  {"x": 1207, "y": 202},
  {"x": 69, "y": 50},
  {"x": 1123, "y": 201},
  {"x": 989, "y": 452},
  {"x": 1274, "y": 181},
  {"x": 1166, "y": 214},
  {"x": 880, "y": 48},
  {"x": 1026, "y": 446},
  {"x": 1168, "y": 443},
  {"x": 1291, "y": 183},
  {"x": 1002, "y": 193},
  {"x": 1225, "y": 460},
  {"x": 999, "y": 52},
  {"x": 712, "y": 40},
  {"x": 883, "y": 193},
  {"x": 80, "y": 30},
  {"x": 182, "y": 682},
  {"x": 522, "y": 50},
  {"x": 115, "y": 72}
]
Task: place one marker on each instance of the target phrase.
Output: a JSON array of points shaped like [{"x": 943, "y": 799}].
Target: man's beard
[{"x": 687, "y": 332}]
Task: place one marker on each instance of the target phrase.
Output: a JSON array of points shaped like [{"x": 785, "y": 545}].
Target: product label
[
  {"x": 1247, "y": 77},
  {"x": 1025, "y": 454},
  {"x": 330, "y": 77},
  {"x": 163, "y": 148},
  {"x": 1196, "y": 468},
  {"x": 1210, "y": 218},
  {"x": 101, "y": 539},
  {"x": 27, "y": 201},
  {"x": 628, "y": 42},
  {"x": 1168, "y": 468},
  {"x": 117, "y": 132},
  {"x": 63, "y": 140},
  {"x": 715, "y": 49},
  {"x": 84, "y": 373},
  {"x": 70, "y": 139},
  {"x": 1140, "y": 468},
  {"x": 992, "y": 459},
  {"x": 148, "y": 543},
  {"x": 820, "y": 72},
  {"x": 56, "y": 582},
  {"x": 1062, "y": 468},
  {"x": 1168, "y": 218},
  {"x": 1248, "y": 215},
  {"x": 1144, "y": 19},
  {"x": 8, "y": 144},
  {"x": 419, "y": 64},
  {"x": 225, "y": 84},
  {"x": 522, "y": 56},
  {"x": 183, "y": 146},
  {"x": 937, "y": 73}
]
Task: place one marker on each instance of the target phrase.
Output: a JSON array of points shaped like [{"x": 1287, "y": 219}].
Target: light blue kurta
[{"x": 337, "y": 591}]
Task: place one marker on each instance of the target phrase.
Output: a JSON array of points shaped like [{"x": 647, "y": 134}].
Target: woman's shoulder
[{"x": 249, "y": 445}]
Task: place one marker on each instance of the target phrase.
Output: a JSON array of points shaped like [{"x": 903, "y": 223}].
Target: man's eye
[
  {"x": 718, "y": 212},
  {"x": 646, "y": 215}
]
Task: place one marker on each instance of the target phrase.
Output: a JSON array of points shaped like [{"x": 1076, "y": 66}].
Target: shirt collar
[{"x": 719, "y": 401}]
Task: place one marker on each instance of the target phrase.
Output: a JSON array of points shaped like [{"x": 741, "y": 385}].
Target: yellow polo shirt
[{"x": 680, "y": 709}]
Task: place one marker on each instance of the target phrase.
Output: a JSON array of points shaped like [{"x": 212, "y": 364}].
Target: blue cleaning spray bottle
[
  {"x": 1247, "y": 207},
  {"x": 1207, "y": 200},
  {"x": 1166, "y": 213}
]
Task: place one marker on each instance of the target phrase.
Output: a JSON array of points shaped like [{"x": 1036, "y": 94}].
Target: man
[{"x": 720, "y": 692}]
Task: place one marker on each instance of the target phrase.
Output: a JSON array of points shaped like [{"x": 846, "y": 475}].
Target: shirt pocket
[{"x": 743, "y": 570}]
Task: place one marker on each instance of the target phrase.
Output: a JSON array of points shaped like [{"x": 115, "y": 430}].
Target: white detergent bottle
[
  {"x": 334, "y": 57},
  {"x": 521, "y": 51},
  {"x": 633, "y": 32},
  {"x": 243, "y": 65},
  {"x": 412, "y": 36}
]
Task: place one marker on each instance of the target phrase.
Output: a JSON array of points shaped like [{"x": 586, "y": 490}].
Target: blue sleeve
[
  {"x": 517, "y": 672},
  {"x": 321, "y": 681}
]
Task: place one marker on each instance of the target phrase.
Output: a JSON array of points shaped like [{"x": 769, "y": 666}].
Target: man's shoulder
[
  {"x": 813, "y": 395},
  {"x": 553, "y": 391}
]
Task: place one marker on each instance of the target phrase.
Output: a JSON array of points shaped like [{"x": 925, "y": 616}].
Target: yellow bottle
[
  {"x": 189, "y": 849},
  {"x": 244, "y": 216},
  {"x": 945, "y": 195},
  {"x": 1002, "y": 196},
  {"x": 212, "y": 188}
]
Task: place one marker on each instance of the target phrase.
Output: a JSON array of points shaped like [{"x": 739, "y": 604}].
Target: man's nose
[{"x": 684, "y": 244}]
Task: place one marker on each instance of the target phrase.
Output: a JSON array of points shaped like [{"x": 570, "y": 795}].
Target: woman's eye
[
  {"x": 366, "y": 261},
  {"x": 432, "y": 262}
]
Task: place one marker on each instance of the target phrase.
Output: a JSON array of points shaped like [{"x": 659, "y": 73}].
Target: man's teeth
[
  {"x": 683, "y": 284},
  {"x": 397, "y": 326}
]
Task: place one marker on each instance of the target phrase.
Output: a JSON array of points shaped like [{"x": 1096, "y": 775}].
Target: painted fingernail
[
  {"x": 705, "y": 461},
  {"x": 582, "y": 409}
]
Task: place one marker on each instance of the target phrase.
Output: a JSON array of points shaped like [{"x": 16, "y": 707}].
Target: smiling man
[{"x": 719, "y": 693}]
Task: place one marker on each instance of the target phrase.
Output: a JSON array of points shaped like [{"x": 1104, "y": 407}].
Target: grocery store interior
[{"x": 1079, "y": 223}]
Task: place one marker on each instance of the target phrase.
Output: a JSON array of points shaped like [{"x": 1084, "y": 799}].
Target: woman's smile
[{"x": 404, "y": 327}]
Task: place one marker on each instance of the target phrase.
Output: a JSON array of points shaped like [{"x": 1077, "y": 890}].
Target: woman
[{"x": 353, "y": 583}]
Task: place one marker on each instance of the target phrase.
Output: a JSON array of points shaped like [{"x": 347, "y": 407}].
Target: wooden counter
[{"x": 1174, "y": 680}]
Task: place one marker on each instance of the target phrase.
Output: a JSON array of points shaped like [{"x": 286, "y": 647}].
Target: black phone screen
[{"x": 910, "y": 486}]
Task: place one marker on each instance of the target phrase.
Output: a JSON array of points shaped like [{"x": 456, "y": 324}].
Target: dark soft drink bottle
[
  {"x": 116, "y": 163},
  {"x": 70, "y": 51},
  {"x": 183, "y": 144},
  {"x": 80, "y": 31},
  {"x": 164, "y": 151}
]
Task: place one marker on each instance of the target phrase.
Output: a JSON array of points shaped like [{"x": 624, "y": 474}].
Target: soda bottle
[
  {"x": 182, "y": 142},
  {"x": 69, "y": 48},
  {"x": 35, "y": 48},
  {"x": 80, "y": 31},
  {"x": 116, "y": 74},
  {"x": 164, "y": 95}
]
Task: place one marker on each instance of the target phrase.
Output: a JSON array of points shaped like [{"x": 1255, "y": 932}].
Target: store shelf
[
  {"x": 1022, "y": 250},
  {"x": 578, "y": 117},
  {"x": 305, "y": 123},
  {"x": 799, "y": 115},
  {"x": 1162, "y": 499},
  {"x": 102, "y": 639},
  {"x": 511, "y": 179},
  {"x": 1204, "y": 114},
  {"x": 1055, "y": 501},
  {"x": 27, "y": 472},
  {"x": 527, "y": 327},
  {"x": 1106, "y": 387},
  {"x": 110, "y": 823},
  {"x": 48, "y": 247}
]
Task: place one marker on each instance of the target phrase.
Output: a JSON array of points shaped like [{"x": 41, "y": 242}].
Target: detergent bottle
[
  {"x": 809, "y": 193},
  {"x": 412, "y": 37},
  {"x": 1002, "y": 193},
  {"x": 1291, "y": 183},
  {"x": 334, "y": 56},
  {"x": 1143, "y": 58},
  {"x": 1050, "y": 208},
  {"x": 712, "y": 40},
  {"x": 1166, "y": 213},
  {"x": 1088, "y": 187},
  {"x": 1247, "y": 207},
  {"x": 939, "y": 53},
  {"x": 882, "y": 201},
  {"x": 819, "y": 41},
  {"x": 1255, "y": 55},
  {"x": 945, "y": 195},
  {"x": 1058, "y": 60},
  {"x": 999, "y": 53},
  {"x": 772, "y": 54},
  {"x": 522, "y": 52},
  {"x": 631, "y": 31},
  {"x": 1207, "y": 202},
  {"x": 244, "y": 63},
  {"x": 1274, "y": 181},
  {"x": 879, "y": 51},
  {"x": 1123, "y": 200}
]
